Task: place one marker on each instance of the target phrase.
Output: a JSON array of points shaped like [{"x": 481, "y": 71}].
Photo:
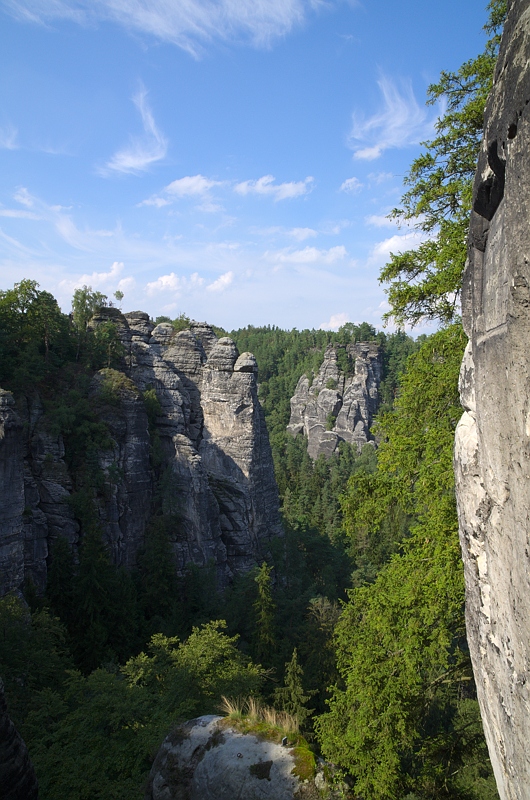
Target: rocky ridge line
[
  {"x": 214, "y": 464},
  {"x": 338, "y": 407}
]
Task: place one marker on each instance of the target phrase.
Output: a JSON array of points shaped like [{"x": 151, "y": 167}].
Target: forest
[{"x": 356, "y": 624}]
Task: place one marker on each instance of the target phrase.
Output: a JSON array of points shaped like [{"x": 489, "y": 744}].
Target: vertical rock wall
[
  {"x": 205, "y": 461},
  {"x": 492, "y": 451},
  {"x": 338, "y": 407}
]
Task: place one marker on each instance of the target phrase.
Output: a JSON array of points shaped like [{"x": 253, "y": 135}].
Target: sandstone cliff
[
  {"x": 205, "y": 459},
  {"x": 492, "y": 452},
  {"x": 339, "y": 405}
]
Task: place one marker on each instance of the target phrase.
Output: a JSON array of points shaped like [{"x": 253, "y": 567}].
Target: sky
[{"x": 232, "y": 160}]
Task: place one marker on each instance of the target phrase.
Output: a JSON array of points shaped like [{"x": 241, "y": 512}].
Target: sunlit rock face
[
  {"x": 206, "y": 759},
  {"x": 492, "y": 451},
  {"x": 204, "y": 460},
  {"x": 337, "y": 406}
]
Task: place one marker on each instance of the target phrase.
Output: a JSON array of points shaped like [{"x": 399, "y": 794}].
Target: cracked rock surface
[
  {"x": 338, "y": 407},
  {"x": 492, "y": 449}
]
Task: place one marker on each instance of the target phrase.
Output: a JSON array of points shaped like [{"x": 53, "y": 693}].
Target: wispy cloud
[
  {"x": 351, "y": 185},
  {"x": 196, "y": 186},
  {"x": 381, "y": 221},
  {"x": 17, "y": 213},
  {"x": 174, "y": 284},
  {"x": 309, "y": 255},
  {"x": 222, "y": 282},
  {"x": 190, "y": 24},
  {"x": 8, "y": 138},
  {"x": 142, "y": 151},
  {"x": 100, "y": 280},
  {"x": 336, "y": 321},
  {"x": 301, "y": 234},
  {"x": 279, "y": 191},
  {"x": 400, "y": 122},
  {"x": 395, "y": 244}
]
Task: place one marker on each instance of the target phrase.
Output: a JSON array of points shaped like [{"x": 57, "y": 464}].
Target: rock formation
[
  {"x": 205, "y": 458},
  {"x": 492, "y": 451},
  {"x": 338, "y": 406},
  {"x": 206, "y": 759},
  {"x": 17, "y": 777}
]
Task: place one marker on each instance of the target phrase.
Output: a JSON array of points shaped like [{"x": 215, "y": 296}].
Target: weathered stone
[
  {"x": 11, "y": 495},
  {"x": 213, "y": 458},
  {"x": 140, "y": 325},
  {"x": 206, "y": 759},
  {"x": 336, "y": 407},
  {"x": 492, "y": 450},
  {"x": 17, "y": 776}
]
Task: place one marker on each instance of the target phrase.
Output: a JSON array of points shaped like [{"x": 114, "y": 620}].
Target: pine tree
[
  {"x": 291, "y": 696},
  {"x": 264, "y": 609}
]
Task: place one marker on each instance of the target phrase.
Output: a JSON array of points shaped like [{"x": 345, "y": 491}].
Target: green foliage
[
  {"x": 330, "y": 421},
  {"x": 34, "y": 336},
  {"x": 402, "y": 657},
  {"x": 425, "y": 283},
  {"x": 96, "y": 738},
  {"x": 291, "y": 697},
  {"x": 85, "y": 303},
  {"x": 264, "y": 609}
]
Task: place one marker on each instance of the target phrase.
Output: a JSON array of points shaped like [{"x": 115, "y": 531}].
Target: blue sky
[{"x": 234, "y": 160}]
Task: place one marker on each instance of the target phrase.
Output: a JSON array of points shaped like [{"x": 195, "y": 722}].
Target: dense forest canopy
[{"x": 355, "y": 626}]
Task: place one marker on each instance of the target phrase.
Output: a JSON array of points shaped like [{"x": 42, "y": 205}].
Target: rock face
[
  {"x": 204, "y": 458},
  {"x": 206, "y": 760},
  {"x": 338, "y": 407},
  {"x": 17, "y": 777},
  {"x": 492, "y": 451}
]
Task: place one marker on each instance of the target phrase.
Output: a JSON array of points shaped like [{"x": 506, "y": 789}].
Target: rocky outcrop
[
  {"x": 207, "y": 759},
  {"x": 339, "y": 405},
  {"x": 492, "y": 451},
  {"x": 203, "y": 459},
  {"x": 11, "y": 495},
  {"x": 17, "y": 777}
]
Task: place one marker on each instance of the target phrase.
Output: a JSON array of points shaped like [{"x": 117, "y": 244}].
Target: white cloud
[
  {"x": 279, "y": 191},
  {"x": 190, "y": 186},
  {"x": 380, "y": 177},
  {"x": 336, "y": 321},
  {"x": 395, "y": 244},
  {"x": 309, "y": 255},
  {"x": 380, "y": 221},
  {"x": 187, "y": 23},
  {"x": 97, "y": 280},
  {"x": 401, "y": 122},
  {"x": 18, "y": 213},
  {"x": 8, "y": 138},
  {"x": 222, "y": 282},
  {"x": 351, "y": 185},
  {"x": 174, "y": 283},
  {"x": 301, "y": 234},
  {"x": 142, "y": 150}
]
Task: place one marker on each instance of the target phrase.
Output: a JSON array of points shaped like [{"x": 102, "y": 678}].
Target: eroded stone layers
[
  {"x": 338, "y": 407},
  {"x": 205, "y": 459},
  {"x": 492, "y": 451}
]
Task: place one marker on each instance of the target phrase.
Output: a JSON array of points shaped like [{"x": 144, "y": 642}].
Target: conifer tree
[
  {"x": 264, "y": 609},
  {"x": 291, "y": 697}
]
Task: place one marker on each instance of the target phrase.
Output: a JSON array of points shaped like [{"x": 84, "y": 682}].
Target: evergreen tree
[
  {"x": 291, "y": 697},
  {"x": 264, "y": 609}
]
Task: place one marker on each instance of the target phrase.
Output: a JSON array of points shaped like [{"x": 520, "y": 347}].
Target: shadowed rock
[
  {"x": 492, "y": 449},
  {"x": 17, "y": 777},
  {"x": 338, "y": 407}
]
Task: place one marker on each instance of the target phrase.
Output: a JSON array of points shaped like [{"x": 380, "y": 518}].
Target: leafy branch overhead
[{"x": 425, "y": 283}]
